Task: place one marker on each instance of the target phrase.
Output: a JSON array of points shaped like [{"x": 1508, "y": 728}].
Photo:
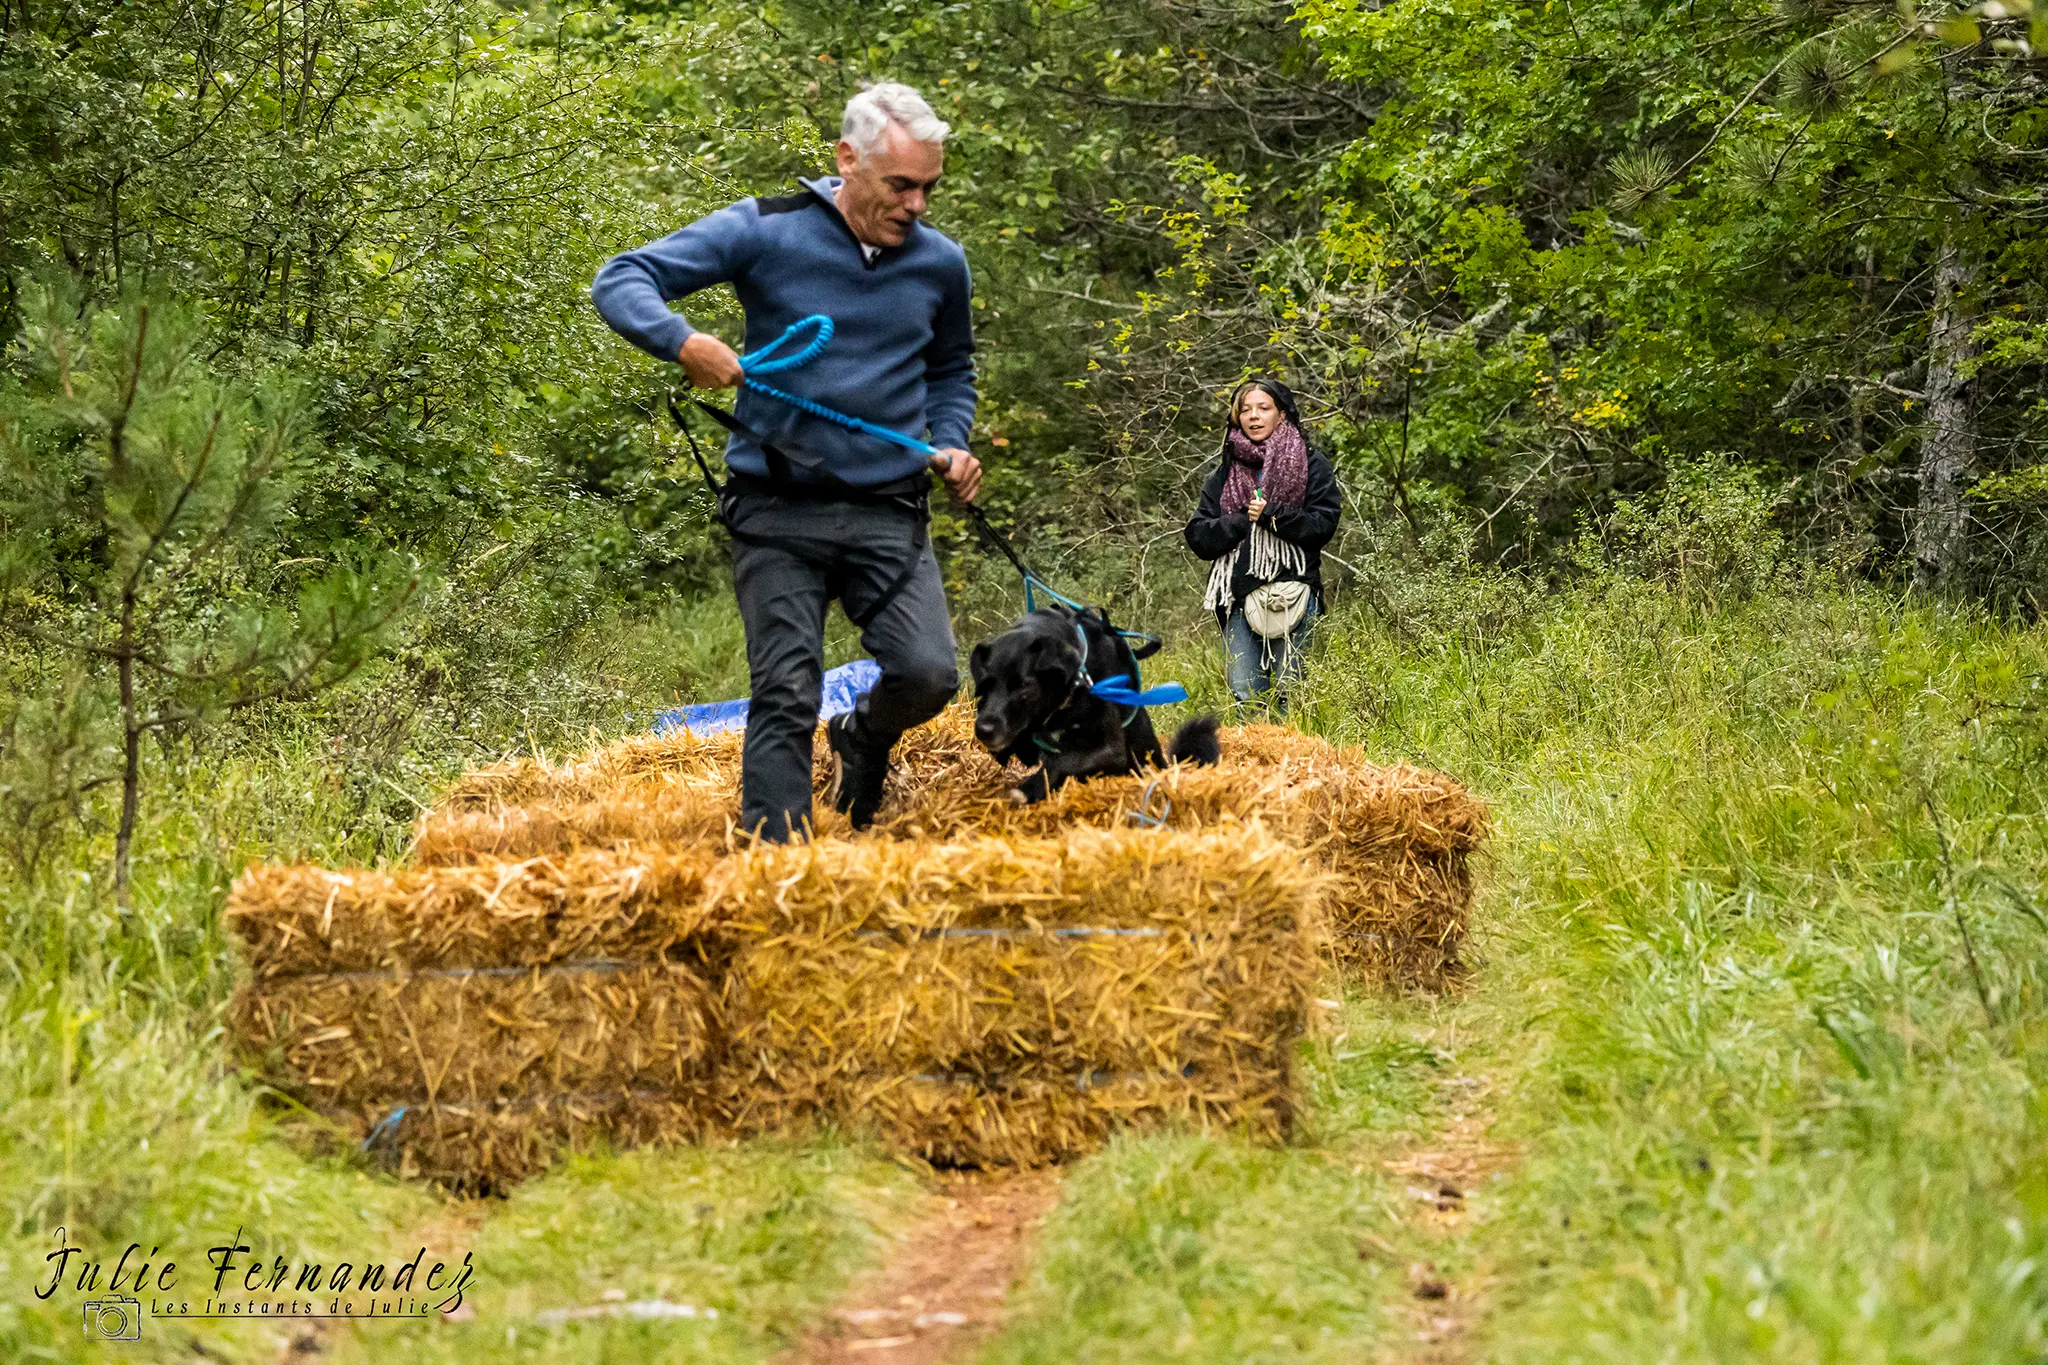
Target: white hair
[{"x": 869, "y": 114}]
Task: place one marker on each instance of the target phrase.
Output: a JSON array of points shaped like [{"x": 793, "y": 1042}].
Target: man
[{"x": 820, "y": 512}]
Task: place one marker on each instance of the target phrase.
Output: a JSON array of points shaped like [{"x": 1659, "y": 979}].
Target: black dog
[{"x": 1032, "y": 703}]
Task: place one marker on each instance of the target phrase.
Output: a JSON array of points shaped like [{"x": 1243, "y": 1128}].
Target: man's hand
[
  {"x": 961, "y": 471},
  {"x": 1256, "y": 508},
  {"x": 709, "y": 362}
]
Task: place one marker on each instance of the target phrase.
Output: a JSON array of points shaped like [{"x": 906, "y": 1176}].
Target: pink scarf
[{"x": 1278, "y": 464}]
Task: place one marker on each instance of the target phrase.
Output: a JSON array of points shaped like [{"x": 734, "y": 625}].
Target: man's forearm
[
  {"x": 627, "y": 296},
  {"x": 634, "y": 288},
  {"x": 949, "y": 404}
]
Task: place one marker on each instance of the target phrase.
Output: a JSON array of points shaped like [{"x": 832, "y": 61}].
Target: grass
[
  {"x": 762, "y": 1236},
  {"x": 1193, "y": 1248},
  {"x": 1725, "y": 1018},
  {"x": 1726, "y": 1007},
  {"x": 1767, "y": 1113}
]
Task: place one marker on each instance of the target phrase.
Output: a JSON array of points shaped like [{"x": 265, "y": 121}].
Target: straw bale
[
  {"x": 488, "y": 1147},
  {"x": 344, "y": 1040},
  {"x": 989, "y": 1001},
  {"x": 680, "y": 789},
  {"x": 1401, "y": 921},
  {"x": 648, "y": 761},
  {"x": 1396, "y": 838},
  {"x": 684, "y": 814},
  {"x": 1318, "y": 794},
  {"x": 962, "y": 1121},
  {"x": 996, "y": 968},
  {"x": 494, "y": 913}
]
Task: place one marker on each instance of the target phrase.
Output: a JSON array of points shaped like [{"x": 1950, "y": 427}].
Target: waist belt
[{"x": 906, "y": 495}]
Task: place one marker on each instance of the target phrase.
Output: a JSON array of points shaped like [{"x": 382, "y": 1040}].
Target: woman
[{"x": 1265, "y": 515}]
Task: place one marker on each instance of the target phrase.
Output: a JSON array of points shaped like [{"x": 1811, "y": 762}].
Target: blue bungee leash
[{"x": 1123, "y": 690}]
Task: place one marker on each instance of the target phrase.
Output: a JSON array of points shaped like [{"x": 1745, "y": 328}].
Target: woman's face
[{"x": 1257, "y": 413}]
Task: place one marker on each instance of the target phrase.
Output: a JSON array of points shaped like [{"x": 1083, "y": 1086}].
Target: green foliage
[
  {"x": 1706, "y": 534},
  {"x": 135, "y": 494},
  {"x": 1581, "y": 236},
  {"x": 52, "y": 753},
  {"x": 139, "y": 491}
]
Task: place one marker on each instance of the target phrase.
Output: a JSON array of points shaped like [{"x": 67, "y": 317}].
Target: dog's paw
[{"x": 1018, "y": 798}]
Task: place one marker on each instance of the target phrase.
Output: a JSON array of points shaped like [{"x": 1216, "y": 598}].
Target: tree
[{"x": 136, "y": 489}]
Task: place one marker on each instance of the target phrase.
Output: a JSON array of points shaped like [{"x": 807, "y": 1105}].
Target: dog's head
[{"x": 1022, "y": 676}]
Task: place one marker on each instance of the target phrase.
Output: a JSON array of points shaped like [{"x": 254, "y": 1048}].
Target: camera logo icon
[{"x": 113, "y": 1319}]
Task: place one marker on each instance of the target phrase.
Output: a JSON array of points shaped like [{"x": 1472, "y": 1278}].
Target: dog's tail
[{"x": 1196, "y": 742}]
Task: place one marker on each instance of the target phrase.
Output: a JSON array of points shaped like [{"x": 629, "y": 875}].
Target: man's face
[{"x": 889, "y": 189}]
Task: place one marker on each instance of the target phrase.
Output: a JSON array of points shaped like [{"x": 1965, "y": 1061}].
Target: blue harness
[{"x": 1125, "y": 689}]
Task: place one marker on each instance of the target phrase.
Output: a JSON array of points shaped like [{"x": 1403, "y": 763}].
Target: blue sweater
[{"x": 902, "y": 351}]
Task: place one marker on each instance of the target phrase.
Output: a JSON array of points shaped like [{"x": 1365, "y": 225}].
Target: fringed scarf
[{"x": 1279, "y": 465}]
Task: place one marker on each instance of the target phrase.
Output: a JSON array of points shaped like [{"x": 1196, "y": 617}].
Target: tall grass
[
  {"x": 1754, "y": 861},
  {"x": 1759, "y": 1001}
]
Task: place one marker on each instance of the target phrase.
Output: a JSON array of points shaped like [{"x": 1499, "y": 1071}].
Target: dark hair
[{"x": 1282, "y": 396}]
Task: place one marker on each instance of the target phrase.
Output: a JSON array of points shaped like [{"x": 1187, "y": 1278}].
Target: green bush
[{"x": 1707, "y": 535}]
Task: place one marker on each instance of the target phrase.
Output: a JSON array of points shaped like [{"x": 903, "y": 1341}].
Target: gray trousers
[{"x": 805, "y": 555}]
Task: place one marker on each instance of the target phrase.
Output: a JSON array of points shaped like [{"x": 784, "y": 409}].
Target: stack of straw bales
[
  {"x": 982, "y": 1002},
  {"x": 1396, "y": 841},
  {"x": 586, "y": 951},
  {"x": 1009, "y": 1001},
  {"x": 473, "y": 1019}
]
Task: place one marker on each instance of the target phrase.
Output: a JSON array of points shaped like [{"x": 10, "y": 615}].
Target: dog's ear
[
  {"x": 977, "y": 663},
  {"x": 1056, "y": 658}
]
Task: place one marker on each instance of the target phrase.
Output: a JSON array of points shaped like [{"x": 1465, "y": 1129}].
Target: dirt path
[
  {"x": 941, "y": 1292},
  {"x": 1443, "y": 1180}
]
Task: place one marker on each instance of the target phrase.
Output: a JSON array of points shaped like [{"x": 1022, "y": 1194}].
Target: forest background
[
  {"x": 1522, "y": 263},
  {"x": 1665, "y": 351}
]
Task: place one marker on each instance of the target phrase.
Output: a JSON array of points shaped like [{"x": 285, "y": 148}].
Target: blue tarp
[{"x": 843, "y": 688}]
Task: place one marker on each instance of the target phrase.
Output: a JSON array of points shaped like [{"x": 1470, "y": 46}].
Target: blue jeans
[{"x": 1258, "y": 667}]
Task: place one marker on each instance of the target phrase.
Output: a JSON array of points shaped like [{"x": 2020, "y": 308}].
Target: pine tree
[{"x": 138, "y": 491}]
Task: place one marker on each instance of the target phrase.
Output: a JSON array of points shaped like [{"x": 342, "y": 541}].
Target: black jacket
[{"x": 1212, "y": 533}]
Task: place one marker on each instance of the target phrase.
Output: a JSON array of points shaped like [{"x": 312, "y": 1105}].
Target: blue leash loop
[
  {"x": 1124, "y": 690},
  {"x": 765, "y": 361},
  {"x": 385, "y": 1127},
  {"x": 1143, "y": 814}
]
